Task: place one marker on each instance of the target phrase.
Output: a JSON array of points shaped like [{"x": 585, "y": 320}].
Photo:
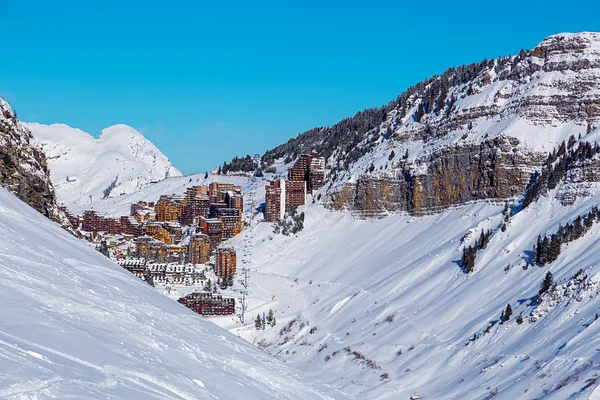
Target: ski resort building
[
  {"x": 295, "y": 194},
  {"x": 130, "y": 226},
  {"x": 196, "y": 207},
  {"x": 205, "y": 303},
  {"x": 168, "y": 208},
  {"x": 177, "y": 274},
  {"x": 225, "y": 262},
  {"x": 217, "y": 192},
  {"x": 199, "y": 249},
  {"x": 213, "y": 228},
  {"x": 274, "y": 200},
  {"x": 307, "y": 173},
  {"x": 316, "y": 178}
]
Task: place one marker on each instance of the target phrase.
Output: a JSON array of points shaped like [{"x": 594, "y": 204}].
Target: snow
[
  {"x": 75, "y": 325},
  {"x": 348, "y": 277},
  {"x": 82, "y": 166}
]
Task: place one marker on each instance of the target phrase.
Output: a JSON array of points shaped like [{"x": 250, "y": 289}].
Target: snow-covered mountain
[
  {"x": 475, "y": 132},
  {"x": 76, "y": 325},
  {"x": 84, "y": 169}
]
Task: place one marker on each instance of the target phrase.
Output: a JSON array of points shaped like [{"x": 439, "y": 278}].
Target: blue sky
[{"x": 209, "y": 80}]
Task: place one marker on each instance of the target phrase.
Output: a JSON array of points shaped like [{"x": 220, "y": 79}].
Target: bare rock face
[
  {"x": 23, "y": 167},
  {"x": 492, "y": 170}
]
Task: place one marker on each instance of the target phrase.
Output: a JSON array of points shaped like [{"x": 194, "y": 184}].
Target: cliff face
[
  {"x": 23, "y": 167},
  {"x": 476, "y": 132},
  {"x": 494, "y": 170}
]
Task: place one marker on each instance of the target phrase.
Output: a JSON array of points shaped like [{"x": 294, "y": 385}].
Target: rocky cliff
[{"x": 23, "y": 167}]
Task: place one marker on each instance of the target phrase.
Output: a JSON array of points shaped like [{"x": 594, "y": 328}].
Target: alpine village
[{"x": 182, "y": 241}]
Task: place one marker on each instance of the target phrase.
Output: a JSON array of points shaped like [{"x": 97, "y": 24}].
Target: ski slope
[
  {"x": 85, "y": 170},
  {"x": 392, "y": 291},
  {"x": 75, "y": 325}
]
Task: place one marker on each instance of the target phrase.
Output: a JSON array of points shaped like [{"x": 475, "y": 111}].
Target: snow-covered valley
[
  {"x": 382, "y": 309},
  {"x": 75, "y": 325},
  {"x": 453, "y": 252}
]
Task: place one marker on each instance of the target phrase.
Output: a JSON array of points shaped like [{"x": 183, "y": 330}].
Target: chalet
[
  {"x": 93, "y": 222},
  {"x": 316, "y": 173},
  {"x": 151, "y": 249},
  {"x": 215, "y": 209},
  {"x": 234, "y": 200}
]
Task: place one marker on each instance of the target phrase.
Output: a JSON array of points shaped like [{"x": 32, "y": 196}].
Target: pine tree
[
  {"x": 546, "y": 283},
  {"x": 537, "y": 250},
  {"x": 271, "y": 317},
  {"x": 589, "y": 220},
  {"x": 577, "y": 227},
  {"x": 554, "y": 248},
  {"x": 543, "y": 251},
  {"x": 258, "y": 322},
  {"x": 420, "y": 112},
  {"x": 507, "y": 312},
  {"x": 560, "y": 233}
]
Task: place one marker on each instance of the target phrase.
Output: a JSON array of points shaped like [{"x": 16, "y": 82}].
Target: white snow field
[
  {"x": 391, "y": 291},
  {"x": 84, "y": 169},
  {"x": 74, "y": 325}
]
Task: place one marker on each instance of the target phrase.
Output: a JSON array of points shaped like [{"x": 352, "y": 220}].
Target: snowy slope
[
  {"x": 75, "y": 325},
  {"x": 120, "y": 161},
  {"x": 346, "y": 277}
]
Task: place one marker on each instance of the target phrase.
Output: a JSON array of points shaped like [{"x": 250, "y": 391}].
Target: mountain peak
[
  {"x": 574, "y": 44},
  {"x": 119, "y": 130},
  {"x": 83, "y": 167}
]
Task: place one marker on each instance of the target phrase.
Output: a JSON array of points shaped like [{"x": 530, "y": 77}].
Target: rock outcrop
[{"x": 23, "y": 167}]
